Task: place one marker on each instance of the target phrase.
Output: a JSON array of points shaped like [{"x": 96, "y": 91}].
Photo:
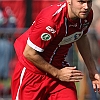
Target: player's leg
[
  {"x": 69, "y": 93},
  {"x": 34, "y": 88},
  {"x": 15, "y": 81},
  {"x": 26, "y": 85}
]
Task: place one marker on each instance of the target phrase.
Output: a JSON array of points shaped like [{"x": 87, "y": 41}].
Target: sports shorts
[{"x": 28, "y": 85}]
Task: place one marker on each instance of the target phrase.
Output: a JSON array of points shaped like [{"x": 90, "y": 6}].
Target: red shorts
[{"x": 28, "y": 85}]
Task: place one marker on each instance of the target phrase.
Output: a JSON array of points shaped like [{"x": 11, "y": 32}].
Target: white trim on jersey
[
  {"x": 80, "y": 23},
  {"x": 59, "y": 9},
  {"x": 21, "y": 78},
  {"x": 53, "y": 54},
  {"x": 66, "y": 24},
  {"x": 34, "y": 46}
]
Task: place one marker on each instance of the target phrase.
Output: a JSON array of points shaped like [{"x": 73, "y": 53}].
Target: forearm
[
  {"x": 68, "y": 74},
  {"x": 39, "y": 62},
  {"x": 84, "y": 49}
]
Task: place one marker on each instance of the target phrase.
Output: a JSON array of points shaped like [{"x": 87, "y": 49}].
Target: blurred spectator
[
  {"x": 96, "y": 11},
  {"x": 7, "y": 20},
  {"x": 97, "y": 28},
  {"x": 12, "y": 65},
  {"x": 97, "y": 2},
  {"x": 11, "y": 21},
  {"x": 6, "y": 51},
  {"x": 3, "y": 17}
]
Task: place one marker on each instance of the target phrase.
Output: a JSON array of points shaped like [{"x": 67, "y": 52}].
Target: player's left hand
[{"x": 96, "y": 82}]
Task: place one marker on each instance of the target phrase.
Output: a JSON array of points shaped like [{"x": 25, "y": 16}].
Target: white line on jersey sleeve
[{"x": 34, "y": 46}]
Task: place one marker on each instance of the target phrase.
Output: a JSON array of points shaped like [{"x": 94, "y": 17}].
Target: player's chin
[{"x": 82, "y": 16}]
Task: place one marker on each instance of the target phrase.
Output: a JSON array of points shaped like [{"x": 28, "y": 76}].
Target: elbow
[
  {"x": 26, "y": 54},
  {"x": 29, "y": 53}
]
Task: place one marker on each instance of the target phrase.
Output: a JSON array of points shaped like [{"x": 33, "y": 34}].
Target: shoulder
[
  {"x": 52, "y": 11},
  {"x": 51, "y": 16}
]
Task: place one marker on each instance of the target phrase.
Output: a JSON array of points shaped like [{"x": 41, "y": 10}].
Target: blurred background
[{"x": 16, "y": 16}]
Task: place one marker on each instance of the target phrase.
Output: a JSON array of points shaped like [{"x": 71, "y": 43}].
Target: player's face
[{"x": 79, "y": 8}]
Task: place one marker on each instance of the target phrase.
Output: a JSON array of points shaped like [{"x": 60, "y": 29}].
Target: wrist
[
  {"x": 56, "y": 73},
  {"x": 93, "y": 73}
]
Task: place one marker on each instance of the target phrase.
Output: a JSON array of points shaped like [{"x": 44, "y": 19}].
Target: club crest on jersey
[
  {"x": 50, "y": 29},
  {"x": 45, "y": 36}
]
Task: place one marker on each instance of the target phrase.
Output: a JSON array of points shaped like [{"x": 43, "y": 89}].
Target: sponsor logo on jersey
[
  {"x": 45, "y": 36},
  {"x": 85, "y": 25},
  {"x": 75, "y": 25},
  {"x": 71, "y": 38},
  {"x": 84, "y": 28},
  {"x": 50, "y": 29}
]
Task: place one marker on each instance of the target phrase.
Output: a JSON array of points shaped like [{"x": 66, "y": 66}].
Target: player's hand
[
  {"x": 69, "y": 74},
  {"x": 96, "y": 82}
]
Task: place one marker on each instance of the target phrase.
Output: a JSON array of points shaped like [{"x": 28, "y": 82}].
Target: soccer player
[{"x": 42, "y": 73}]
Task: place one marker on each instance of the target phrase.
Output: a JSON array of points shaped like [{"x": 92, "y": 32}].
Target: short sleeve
[{"x": 41, "y": 34}]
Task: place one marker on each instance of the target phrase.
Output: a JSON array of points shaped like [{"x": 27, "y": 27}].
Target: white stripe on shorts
[{"x": 21, "y": 78}]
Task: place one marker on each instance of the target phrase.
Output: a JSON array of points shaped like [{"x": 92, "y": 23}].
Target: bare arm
[
  {"x": 84, "y": 49},
  {"x": 34, "y": 57},
  {"x": 64, "y": 74}
]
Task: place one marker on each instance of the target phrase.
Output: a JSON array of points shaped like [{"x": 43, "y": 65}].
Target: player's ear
[{"x": 69, "y": 2}]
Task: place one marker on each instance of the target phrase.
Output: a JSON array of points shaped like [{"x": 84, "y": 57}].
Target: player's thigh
[
  {"x": 35, "y": 89},
  {"x": 65, "y": 94}
]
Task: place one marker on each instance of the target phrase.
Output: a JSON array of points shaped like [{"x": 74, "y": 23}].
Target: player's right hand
[{"x": 69, "y": 74}]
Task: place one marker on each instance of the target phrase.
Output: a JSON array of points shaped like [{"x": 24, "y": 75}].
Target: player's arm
[
  {"x": 84, "y": 49},
  {"x": 33, "y": 56},
  {"x": 67, "y": 74}
]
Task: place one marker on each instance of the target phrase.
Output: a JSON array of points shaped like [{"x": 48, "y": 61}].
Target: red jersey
[{"x": 52, "y": 34}]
